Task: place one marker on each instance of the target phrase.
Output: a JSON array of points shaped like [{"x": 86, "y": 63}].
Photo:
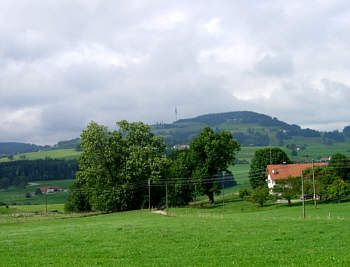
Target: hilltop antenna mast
[{"x": 175, "y": 113}]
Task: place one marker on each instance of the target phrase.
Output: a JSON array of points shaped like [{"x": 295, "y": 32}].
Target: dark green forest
[{"x": 19, "y": 173}]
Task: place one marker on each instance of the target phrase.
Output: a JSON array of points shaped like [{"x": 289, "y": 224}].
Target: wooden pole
[
  {"x": 314, "y": 184},
  {"x": 166, "y": 197},
  {"x": 223, "y": 195},
  {"x": 149, "y": 194},
  {"x": 302, "y": 193}
]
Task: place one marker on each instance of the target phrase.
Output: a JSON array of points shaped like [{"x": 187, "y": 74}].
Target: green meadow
[
  {"x": 241, "y": 234},
  {"x": 53, "y": 154}
]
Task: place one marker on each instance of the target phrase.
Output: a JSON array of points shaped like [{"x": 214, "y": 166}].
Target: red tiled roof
[
  {"x": 44, "y": 189},
  {"x": 283, "y": 171}
]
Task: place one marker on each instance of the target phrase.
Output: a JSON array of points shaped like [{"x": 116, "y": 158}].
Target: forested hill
[
  {"x": 236, "y": 117},
  {"x": 14, "y": 148},
  {"x": 249, "y": 128}
]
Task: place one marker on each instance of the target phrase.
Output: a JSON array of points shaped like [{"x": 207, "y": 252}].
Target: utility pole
[
  {"x": 313, "y": 183},
  {"x": 166, "y": 197},
  {"x": 302, "y": 193},
  {"x": 149, "y": 194},
  {"x": 223, "y": 195}
]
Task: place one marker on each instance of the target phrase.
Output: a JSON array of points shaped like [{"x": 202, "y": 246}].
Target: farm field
[
  {"x": 243, "y": 235},
  {"x": 54, "y": 154}
]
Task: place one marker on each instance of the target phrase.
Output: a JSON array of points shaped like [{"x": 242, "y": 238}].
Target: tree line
[
  {"x": 117, "y": 168},
  {"x": 19, "y": 173}
]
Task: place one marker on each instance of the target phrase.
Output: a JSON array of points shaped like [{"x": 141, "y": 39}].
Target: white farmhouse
[{"x": 284, "y": 171}]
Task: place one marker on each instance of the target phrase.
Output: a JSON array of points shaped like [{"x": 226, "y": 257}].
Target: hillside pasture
[
  {"x": 53, "y": 154},
  {"x": 315, "y": 151},
  {"x": 241, "y": 235},
  {"x": 319, "y": 151}
]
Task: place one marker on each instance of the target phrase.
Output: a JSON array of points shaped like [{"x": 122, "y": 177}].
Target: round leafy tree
[
  {"x": 263, "y": 157},
  {"x": 211, "y": 155}
]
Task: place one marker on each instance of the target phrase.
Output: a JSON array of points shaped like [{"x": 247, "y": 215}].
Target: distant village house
[{"x": 325, "y": 160}]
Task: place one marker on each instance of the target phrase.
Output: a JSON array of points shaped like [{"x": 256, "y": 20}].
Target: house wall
[{"x": 270, "y": 183}]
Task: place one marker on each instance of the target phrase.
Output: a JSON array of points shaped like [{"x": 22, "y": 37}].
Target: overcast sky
[{"x": 64, "y": 63}]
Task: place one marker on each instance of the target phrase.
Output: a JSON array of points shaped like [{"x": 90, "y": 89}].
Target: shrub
[
  {"x": 243, "y": 192},
  {"x": 260, "y": 195}
]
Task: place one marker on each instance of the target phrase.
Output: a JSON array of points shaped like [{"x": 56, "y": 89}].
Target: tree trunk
[
  {"x": 211, "y": 197},
  {"x": 289, "y": 202}
]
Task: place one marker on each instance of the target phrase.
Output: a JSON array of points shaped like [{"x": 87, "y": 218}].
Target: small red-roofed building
[
  {"x": 284, "y": 171},
  {"x": 49, "y": 189}
]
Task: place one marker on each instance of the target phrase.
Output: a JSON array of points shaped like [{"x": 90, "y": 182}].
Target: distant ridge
[
  {"x": 248, "y": 127},
  {"x": 8, "y": 148}
]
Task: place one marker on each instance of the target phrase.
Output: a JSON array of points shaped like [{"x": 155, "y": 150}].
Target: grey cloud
[
  {"x": 308, "y": 106},
  {"x": 68, "y": 62},
  {"x": 274, "y": 66}
]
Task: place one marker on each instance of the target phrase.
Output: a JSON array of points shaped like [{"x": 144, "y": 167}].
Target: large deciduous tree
[
  {"x": 114, "y": 164},
  {"x": 211, "y": 154},
  {"x": 263, "y": 157},
  {"x": 181, "y": 189}
]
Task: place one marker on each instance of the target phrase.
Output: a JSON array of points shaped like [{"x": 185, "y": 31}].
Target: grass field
[
  {"x": 243, "y": 235},
  {"x": 54, "y": 154}
]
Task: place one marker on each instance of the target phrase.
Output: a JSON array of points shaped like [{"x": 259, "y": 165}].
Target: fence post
[{"x": 314, "y": 184}]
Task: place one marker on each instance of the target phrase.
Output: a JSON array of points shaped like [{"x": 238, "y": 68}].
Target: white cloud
[
  {"x": 164, "y": 22},
  {"x": 95, "y": 54},
  {"x": 214, "y": 27}
]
